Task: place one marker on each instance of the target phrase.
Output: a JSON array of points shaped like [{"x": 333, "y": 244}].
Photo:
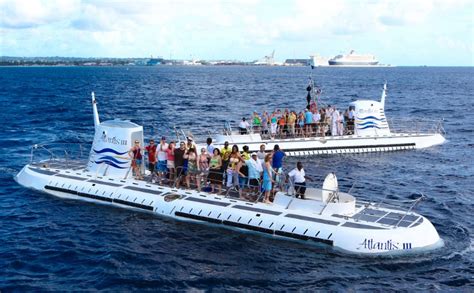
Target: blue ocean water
[{"x": 48, "y": 243}]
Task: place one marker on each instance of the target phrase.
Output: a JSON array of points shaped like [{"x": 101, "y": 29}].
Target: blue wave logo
[
  {"x": 108, "y": 150},
  {"x": 112, "y": 159},
  {"x": 371, "y": 126},
  {"x": 367, "y": 123},
  {"x": 371, "y": 117},
  {"x": 110, "y": 164}
]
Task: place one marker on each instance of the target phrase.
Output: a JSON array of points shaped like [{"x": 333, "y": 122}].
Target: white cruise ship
[{"x": 353, "y": 59}]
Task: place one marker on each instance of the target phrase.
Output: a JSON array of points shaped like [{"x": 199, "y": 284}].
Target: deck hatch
[
  {"x": 101, "y": 198},
  {"x": 45, "y": 172},
  {"x": 104, "y": 183},
  {"x": 252, "y": 209},
  {"x": 71, "y": 177},
  {"x": 304, "y": 218},
  {"x": 207, "y": 201},
  {"x": 361, "y": 226},
  {"x": 144, "y": 190},
  {"x": 200, "y": 218}
]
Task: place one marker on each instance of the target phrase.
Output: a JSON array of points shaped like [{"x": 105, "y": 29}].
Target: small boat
[
  {"x": 326, "y": 215},
  {"x": 370, "y": 132}
]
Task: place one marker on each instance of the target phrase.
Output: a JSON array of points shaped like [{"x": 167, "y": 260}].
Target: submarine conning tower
[
  {"x": 369, "y": 117},
  {"x": 112, "y": 141}
]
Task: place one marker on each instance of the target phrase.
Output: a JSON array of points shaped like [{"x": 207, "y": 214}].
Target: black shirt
[{"x": 178, "y": 157}]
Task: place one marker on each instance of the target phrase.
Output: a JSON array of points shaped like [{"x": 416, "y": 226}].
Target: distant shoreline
[{"x": 222, "y": 65}]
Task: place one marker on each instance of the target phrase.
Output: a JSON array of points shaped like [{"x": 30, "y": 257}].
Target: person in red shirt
[{"x": 151, "y": 150}]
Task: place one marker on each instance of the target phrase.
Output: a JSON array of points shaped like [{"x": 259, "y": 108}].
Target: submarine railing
[
  {"x": 60, "y": 153},
  {"x": 319, "y": 129}
]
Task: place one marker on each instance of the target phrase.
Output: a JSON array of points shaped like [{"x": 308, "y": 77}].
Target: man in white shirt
[
  {"x": 243, "y": 126},
  {"x": 298, "y": 178},
  {"x": 210, "y": 147},
  {"x": 261, "y": 153},
  {"x": 162, "y": 168},
  {"x": 334, "y": 121},
  {"x": 254, "y": 171}
]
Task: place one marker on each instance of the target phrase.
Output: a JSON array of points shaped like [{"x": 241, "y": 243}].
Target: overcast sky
[{"x": 399, "y": 32}]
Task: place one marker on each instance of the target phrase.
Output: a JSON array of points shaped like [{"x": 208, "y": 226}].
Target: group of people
[
  {"x": 306, "y": 123},
  {"x": 213, "y": 167}
]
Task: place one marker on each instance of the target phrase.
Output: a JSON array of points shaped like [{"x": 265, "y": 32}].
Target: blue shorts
[
  {"x": 267, "y": 185},
  {"x": 138, "y": 162},
  {"x": 242, "y": 182},
  {"x": 161, "y": 167}
]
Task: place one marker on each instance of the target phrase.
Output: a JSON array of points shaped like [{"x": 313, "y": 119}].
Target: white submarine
[
  {"x": 326, "y": 215},
  {"x": 371, "y": 133}
]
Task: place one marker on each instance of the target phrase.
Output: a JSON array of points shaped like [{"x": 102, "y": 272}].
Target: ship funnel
[{"x": 112, "y": 141}]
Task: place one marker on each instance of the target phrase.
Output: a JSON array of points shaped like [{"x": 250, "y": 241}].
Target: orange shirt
[{"x": 282, "y": 121}]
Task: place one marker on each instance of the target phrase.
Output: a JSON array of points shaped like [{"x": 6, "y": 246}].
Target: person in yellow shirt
[
  {"x": 225, "y": 154},
  {"x": 245, "y": 153},
  {"x": 291, "y": 123}
]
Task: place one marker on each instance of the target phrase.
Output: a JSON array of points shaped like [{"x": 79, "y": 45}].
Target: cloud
[
  {"x": 230, "y": 28},
  {"x": 33, "y": 13}
]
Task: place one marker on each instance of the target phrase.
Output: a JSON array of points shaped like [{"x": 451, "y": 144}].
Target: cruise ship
[{"x": 353, "y": 59}]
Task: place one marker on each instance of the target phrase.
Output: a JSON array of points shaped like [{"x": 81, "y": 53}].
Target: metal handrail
[
  {"x": 410, "y": 209},
  {"x": 66, "y": 149},
  {"x": 396, "y": 125},
  {"x": 285, "y": 185}
]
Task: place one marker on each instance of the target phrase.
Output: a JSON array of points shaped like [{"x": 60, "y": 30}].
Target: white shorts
[{"x": 274, "y": 128}]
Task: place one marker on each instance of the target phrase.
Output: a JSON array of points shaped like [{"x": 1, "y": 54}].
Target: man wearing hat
[{"x": 190, "y": 143}]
